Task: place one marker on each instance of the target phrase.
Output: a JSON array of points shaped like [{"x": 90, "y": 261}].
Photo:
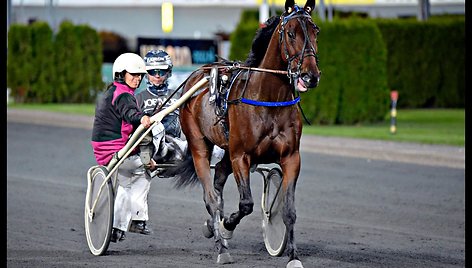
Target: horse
[{"x": 260, "y": 123}]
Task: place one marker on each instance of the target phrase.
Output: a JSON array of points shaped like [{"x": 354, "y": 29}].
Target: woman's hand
[{"x": 145, "y": 121}]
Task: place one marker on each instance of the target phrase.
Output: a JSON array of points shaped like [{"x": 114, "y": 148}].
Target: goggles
[{"x": 160, "y": 72}]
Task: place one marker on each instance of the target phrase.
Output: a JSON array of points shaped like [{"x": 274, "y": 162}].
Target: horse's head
[{"x": 298, "y": 41}]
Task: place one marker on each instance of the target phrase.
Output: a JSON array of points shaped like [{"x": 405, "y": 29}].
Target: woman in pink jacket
[{"x": 117, "y": 115}]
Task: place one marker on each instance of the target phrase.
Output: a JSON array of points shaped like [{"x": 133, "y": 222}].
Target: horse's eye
[{"x": 291, "y": 35}]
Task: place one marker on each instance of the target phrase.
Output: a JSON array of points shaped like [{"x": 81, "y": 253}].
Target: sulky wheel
[
  {"x": 98, "y": 219},
  {"x": 273, "y": 227}
]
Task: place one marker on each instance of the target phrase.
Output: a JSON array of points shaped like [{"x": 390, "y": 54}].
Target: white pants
[{"x": 132, "y": 192}]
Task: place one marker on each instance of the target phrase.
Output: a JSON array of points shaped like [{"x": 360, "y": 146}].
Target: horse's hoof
[
  {"x": 294, "y": 264},
  {"x": 207, "y": 230},
  {"x": 224, "y": 233},
  {"x": 224, "y": 258}
]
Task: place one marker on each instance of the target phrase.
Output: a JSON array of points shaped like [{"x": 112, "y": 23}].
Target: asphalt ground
[
  {"x": 352, "y": 212},
  {"x": 423, "y": 154}
]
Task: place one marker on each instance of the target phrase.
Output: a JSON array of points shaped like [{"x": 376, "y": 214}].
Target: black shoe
[
  {"x": 139, "y": 227},
  {"x": 117, "y": 235}
]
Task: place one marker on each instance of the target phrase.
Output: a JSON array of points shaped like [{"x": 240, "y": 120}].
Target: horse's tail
[{"x": 184, "y": 172}]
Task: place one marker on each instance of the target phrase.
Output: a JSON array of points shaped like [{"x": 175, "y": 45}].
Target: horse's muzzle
[{"x": 310, "y": 80}]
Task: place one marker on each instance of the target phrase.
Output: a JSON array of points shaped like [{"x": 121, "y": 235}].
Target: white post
[
  {"x": 263, "y": 12},
  {"x": 330, "y": 12},
  {"x": 321, "y": 10},
  {"x": 423, "y": 10},
  {"x": 51, "y": 15},
  {"x": 8, "y": 95}
]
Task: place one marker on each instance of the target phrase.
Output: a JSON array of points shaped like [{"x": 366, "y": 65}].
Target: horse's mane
[{"x": 261, "y": 42}]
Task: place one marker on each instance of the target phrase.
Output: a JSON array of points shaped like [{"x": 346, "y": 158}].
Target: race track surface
[{"x": 352, "y": 211}]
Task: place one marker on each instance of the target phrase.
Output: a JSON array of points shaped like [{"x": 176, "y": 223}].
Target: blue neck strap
[{"x": 270, "y": 104}]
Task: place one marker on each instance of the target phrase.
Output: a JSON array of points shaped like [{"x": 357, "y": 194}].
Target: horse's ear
[
  {"x": 310, "y": 6},
  {"x": 289, "y": 6}
]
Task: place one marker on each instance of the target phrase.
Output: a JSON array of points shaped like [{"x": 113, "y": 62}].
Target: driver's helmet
[
  {"x": 160, "y": 60},
  {"x": 129, "y": 62}
]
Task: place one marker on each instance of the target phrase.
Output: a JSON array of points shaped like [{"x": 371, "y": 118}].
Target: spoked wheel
[
  {"x": 273, "y": 227},
  {"x": 98, "y": 216}
]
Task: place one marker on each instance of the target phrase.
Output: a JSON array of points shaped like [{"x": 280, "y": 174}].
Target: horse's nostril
[
  {"x": 310, "y": 80},
  {"x": 306, "y": 79}
]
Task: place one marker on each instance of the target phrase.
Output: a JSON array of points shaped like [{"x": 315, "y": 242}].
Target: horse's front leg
[
  {"x": 291, "y": 169},
  {"x": 241, "y": 167}
]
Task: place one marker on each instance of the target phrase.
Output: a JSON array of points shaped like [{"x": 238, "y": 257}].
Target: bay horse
[{"x": 262, "y": 124}]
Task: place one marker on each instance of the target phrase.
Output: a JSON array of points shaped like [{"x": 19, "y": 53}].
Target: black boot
[
  {"x": 139, "y": 227},
  {"x": 117, "y": 235}
]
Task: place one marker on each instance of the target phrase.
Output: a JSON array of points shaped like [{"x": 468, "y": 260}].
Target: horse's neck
[{"x": 272, "y": 58}]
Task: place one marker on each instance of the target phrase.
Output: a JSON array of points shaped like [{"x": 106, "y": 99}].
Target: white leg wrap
[{"x": 226, "y": 234}]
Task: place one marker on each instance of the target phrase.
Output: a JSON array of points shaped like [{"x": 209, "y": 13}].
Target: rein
[
  {"x": 169, "y": 98},
  {"x": 238, "y": 66},
  {"x": 255, "y": 102}
]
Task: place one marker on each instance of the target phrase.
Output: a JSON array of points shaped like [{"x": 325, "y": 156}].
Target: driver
[
  {"x": 166, "y": 136},
  {"x": 117, "y": 116},
  {"x": 168, "y": 144}
]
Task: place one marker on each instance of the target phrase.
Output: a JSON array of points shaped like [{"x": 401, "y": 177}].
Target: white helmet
[{"x": 130, "y": 62}]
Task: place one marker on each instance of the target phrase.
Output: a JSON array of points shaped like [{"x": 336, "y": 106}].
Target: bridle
[{"x": 308, "y": 49}]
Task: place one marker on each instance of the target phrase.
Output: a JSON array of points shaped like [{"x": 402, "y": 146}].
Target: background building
[
  {"x": 197, "y": 24},
  {"x": 192, "y": 19}
]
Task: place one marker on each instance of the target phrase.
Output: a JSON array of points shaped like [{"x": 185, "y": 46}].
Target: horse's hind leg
[
  {"x": 199, "y": 148},
  {"x": 291, "y": 169},
  {"x": 213, "y": 199},
  {"x": 222, "y": 171}
]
